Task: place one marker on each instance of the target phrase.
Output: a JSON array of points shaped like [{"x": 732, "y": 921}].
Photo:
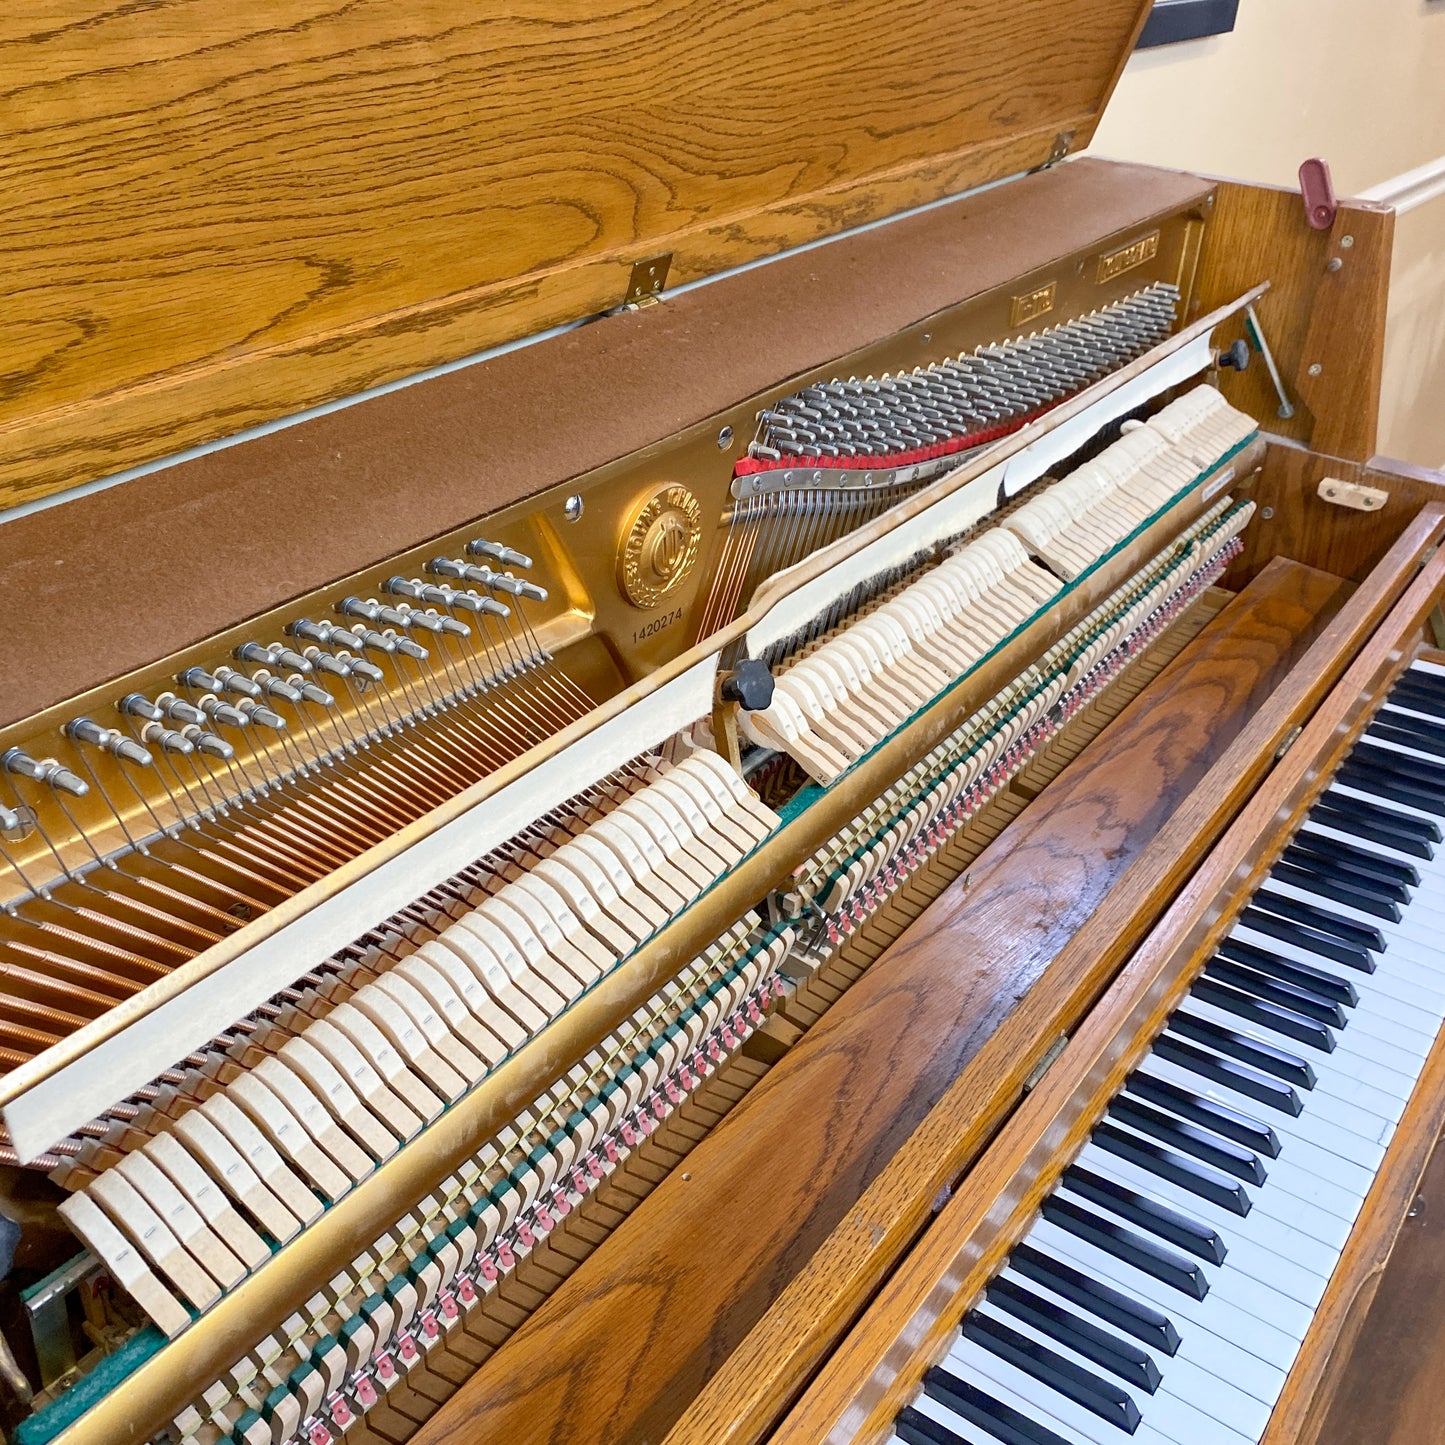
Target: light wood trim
[
  {"x": 874, "y": 1373},
  {"x": 1313, "y": 316},
  {"x": 219, "y": 214},
  {"x": 749, "y": 1392}
]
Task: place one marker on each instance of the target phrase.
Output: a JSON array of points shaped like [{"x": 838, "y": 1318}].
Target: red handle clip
[{"x": 1318, "y": 192}]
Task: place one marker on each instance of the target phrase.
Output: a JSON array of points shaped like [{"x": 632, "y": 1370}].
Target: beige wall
[{"x": 1360, "y": 82}]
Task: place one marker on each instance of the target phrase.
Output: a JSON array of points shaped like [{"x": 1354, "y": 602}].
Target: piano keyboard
[{"x": 1164, "y": 1290}]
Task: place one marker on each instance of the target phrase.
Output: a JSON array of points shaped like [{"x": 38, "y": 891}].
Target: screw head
[
  {"x": 1346, "y": 242},
  {"x": 926, "y": 337},
  {"x": 725, "y": 439},
  {"x": 573, "y": 508},
  {"x": 1266, "y": 512},
  {"x": 1316, "y": 369}
]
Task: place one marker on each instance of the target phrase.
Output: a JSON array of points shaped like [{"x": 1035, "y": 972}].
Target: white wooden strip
[
  {"x": 117, "y": 1066},
  {"x": 1414, "y": 188}
]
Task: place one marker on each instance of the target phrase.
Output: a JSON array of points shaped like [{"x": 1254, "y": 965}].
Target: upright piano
[{"x": 699, "y": 741}]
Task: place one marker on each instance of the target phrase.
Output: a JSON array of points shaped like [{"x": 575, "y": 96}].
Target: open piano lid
[{"x": 221, "y": 214}]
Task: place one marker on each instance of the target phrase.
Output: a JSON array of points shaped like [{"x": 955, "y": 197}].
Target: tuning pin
[
  {"x": 209, "y": 744},
  {"x": 263, "y": 716},
  {"x": 408, "y": 648},
  {"x": 498, "y": 553},
  {"x": 167, "y": 739},
  {"x": 181, "y": 711},
  {"x": 223, "y": 713},
  {"x": 311, "y": 631},
  {"x": 361, "y": 668},
  {"x": 274, "y": 687},
  {"x": 474, "y": 602},
  {"x": 12, "y": 824},
  {"x": 134, "y": 704},
  {"x": 237, "y": 682},
  {"x": 311, "y": 693},
  {"x": 198, "y": 680},
  {"x": 47, "y": 771},
  {"x": 357, "y": 607},
  {"x": 87, "y": 730}
]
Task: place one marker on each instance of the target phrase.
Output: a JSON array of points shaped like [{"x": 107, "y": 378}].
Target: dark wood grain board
[
  {"x": 636, "y": 1332},
  {"x": 218, "y": 214}
]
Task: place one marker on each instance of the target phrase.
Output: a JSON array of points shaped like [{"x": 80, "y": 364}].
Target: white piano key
[
  {"x": 1181, "y": 1379},
  {"x": 1167, "y": 1418},
  {"x": 1326, "y": 1122},
  {"x": 1268, "y": 1230},
  {"x": 1226, "y": 1283}
]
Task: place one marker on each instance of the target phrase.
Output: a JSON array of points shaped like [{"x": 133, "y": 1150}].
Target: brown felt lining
[{"x": 105, "y": 583}]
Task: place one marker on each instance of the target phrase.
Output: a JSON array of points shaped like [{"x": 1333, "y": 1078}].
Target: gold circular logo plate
[{"x": 659, "y": 546}]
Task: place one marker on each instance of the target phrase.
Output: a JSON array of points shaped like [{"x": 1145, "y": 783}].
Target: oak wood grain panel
[
  {"x": 877, "y": 1368},
  {"x": 219, "y": 213},
  {"x": 637, "y": 1331},
  {"x": 1312, "y": 316},
  {"x": 1294, "y": 521},
  {"x": 1387, "y": 1385}
]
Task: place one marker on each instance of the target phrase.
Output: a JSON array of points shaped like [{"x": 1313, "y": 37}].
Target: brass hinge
[
  {"x": 1046, "y": 1063},
  {"x": 1290, "y": 739},
  {"x": 647, "y": 280},
  {"x": 1063, "y": 143}
]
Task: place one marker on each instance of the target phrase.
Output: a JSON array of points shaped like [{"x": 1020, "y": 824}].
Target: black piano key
[
  {"x": 1122, "y": 1359},
  {"x": 1292, "y": 931},
  {"x": 1142, "y": 1321},
  {"x": 1357, "y": 859},
  {"x": 1099, "y": 1396},
  {"x": 1390, "y": 881},
  {"x": 1231, "y": 1123},
  {"x": 1425, "y": 684},
  {"x": 1267, "y": 1015},
  {"x": 1408, "y": 732},
  {"x": 1379, "y": 815},
  {"x": 1308, "y": 976},
  {"x": 1003, "y": 1422},
  {"x": 1328, "y": 884},
  {"x": 1166, "y": 1265},
  {"x": 1408, "y": 721},
  {"x": 916, "y": 1428},
  {"x": 1189, "y": 1138},
  {"x": 1231, "y": 1073},
  {"x": 1254, "y": 1052},
  {"x": 1169, "y": 1164},
  {"x": 1380, "y": 783},
  {"x": 1299, "y": 1000},
  {"x": 1418, "y": 772},
  {"x": 1320, "y": 918},
  {"x": 1147, "y": 1214},
  {"x": 1399, "y": 842}
]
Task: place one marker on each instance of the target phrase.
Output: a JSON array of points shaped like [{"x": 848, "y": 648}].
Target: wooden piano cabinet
[
  {"x": 1323, "y": 317},
  {"x": 219, "y": 214},
  {"x": 801, "y": 1202},
  {"x": 908, "y": 1325},
  {"x": 1386, "y": 1387},
  {"x": 1295, "y": 521}
]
